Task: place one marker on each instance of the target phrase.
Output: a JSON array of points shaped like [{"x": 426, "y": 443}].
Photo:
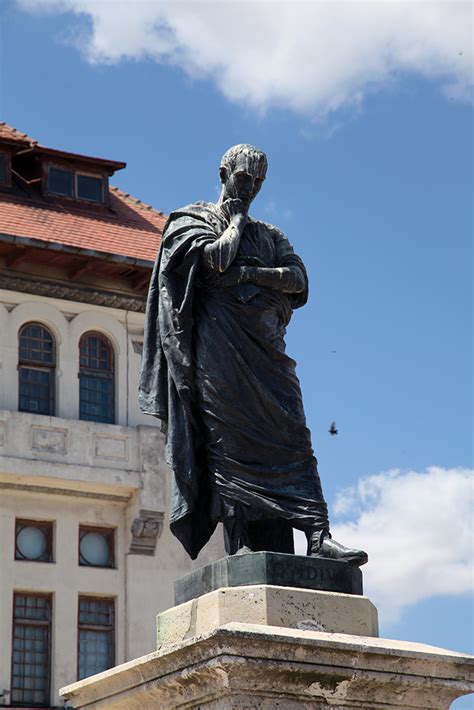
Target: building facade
[{"x": 86, "y": 557}]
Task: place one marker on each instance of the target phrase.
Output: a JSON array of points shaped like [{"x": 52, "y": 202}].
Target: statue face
[{"x": 243, "y": 183}]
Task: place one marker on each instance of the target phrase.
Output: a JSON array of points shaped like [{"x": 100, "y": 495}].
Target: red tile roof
[
  {"x": 8, "y": 133},
  {"x": 128, "y": 228},
  {"x": 13, "y": 137}
]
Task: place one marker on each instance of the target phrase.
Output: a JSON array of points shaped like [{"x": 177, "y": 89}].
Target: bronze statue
[{"x": 216, "y": 372}]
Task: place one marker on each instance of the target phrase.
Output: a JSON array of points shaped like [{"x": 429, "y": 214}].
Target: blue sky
[{"x": 370, "y": 175}]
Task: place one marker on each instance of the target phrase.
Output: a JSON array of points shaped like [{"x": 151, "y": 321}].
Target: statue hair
[{"x": 254, "y": 157}]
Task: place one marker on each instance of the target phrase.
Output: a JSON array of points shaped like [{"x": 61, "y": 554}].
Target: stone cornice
[
  {"x": 52, "y": 288},
  {"x": 51, "y": 490}
]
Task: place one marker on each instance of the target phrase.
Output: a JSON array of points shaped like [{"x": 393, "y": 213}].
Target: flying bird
[{"x": 332, "y": 429}]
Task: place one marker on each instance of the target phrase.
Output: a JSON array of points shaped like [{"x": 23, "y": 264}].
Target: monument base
[
  {"x": 268, "y": 605},
  {"x": 253, "y": 667},
  {"x": 274, "y": 568},
  {"x": 260, "y": 645}
]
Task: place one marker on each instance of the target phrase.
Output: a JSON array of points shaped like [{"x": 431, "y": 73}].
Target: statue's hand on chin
[{"x": 235, "y": 212}]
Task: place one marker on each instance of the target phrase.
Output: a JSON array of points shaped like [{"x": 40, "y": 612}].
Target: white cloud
[
  {"x": 312, "y": 57},
  {"x": 417, "y": 529}
]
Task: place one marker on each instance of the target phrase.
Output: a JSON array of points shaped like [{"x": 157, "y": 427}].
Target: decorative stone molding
[
  {"x": 60, "y": 289},
  {"x": 146, "y": 529},
  {"x": 137, "y": 346},
  {"x": 253, "y": 666},
  {"x": 114, "y": 448},
  {"x": 55, "y": 490},
  {"x": 48, "y": 439}
]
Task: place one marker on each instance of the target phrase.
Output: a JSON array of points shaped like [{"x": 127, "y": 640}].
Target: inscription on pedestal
[{"x": 290, "y": 571}]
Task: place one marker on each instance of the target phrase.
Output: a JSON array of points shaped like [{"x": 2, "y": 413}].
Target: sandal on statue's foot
[{"x": 332, "y": 550}]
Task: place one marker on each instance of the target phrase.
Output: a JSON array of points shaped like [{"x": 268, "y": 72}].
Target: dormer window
[
  {"x": 60, "y": 182},
  {"x": 69, "y": 183},
  {"x": 89, "y": 188}
]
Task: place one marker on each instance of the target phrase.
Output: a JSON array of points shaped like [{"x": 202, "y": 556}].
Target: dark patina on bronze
[
  {"x": 270, "y": 568},
  {"x": 216, "y": 372}
]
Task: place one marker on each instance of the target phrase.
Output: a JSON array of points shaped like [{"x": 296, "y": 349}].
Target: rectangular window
[
  {"x": 96, "y": 397},
  {"x": 60, "y": 182},
  {"x": 89, "y": 188},
  {"x": 36, "y": 390},
  {"x": 34, "y": 540},
  {"x": 96, "y": 636},
  {"x": 31, "y": 652}
]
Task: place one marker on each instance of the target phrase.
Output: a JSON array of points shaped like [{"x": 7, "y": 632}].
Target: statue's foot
[{"x": 333, "y": 550}]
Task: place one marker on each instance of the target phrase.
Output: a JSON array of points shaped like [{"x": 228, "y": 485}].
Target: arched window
[
  {"x": 36, "y": 369},
  {"x": 96, "y": 378}
]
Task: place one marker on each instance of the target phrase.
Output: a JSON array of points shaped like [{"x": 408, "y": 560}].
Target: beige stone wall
[
  {"x": 63, "y": 578},
  {"x": 73, "y": 472},
  {"x": 68, "y": 320}
]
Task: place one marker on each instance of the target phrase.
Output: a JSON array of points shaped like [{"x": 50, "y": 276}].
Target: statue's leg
[
  {"x": 242, "y": 534},
  {"x": 272, "y": 535},
  {"x": 234, "y": 534}
]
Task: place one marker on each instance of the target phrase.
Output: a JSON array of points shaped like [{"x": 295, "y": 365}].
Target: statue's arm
[
  {"x": 289, "y": 279},
  {"x": 218, "y": 255},
  {"x": 288, "y": 275}
]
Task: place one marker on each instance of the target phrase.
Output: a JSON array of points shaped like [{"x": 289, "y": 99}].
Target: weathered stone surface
[
  {"x": 271, "y": 606},
  {"x": 256, "y": 667},
  {"x": 146, "y": 529},
  {"x": 270, "y": 568}
]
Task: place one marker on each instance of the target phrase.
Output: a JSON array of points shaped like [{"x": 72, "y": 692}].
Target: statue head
[{"x": 242, "y": 172}]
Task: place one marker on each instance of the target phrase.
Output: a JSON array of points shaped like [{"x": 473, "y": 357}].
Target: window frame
[
  {"x": 75, "y": 172},
  {"x": 50, "y": 368},
  {"x": 36, "y": 623},
  {"x": 64, "y": 169},
  {"x": 96, "y": 627},
  {"x": 100, "y": 374},
  {"x": 110, "y": 537},
  {"x": 41, "y": 524},
  {"x": 91, "y": 175}
]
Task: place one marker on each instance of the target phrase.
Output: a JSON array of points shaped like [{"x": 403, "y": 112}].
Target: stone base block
[
  {"x": 270, "y": 606},
  {"x": 273, "y": 568},
  {"x": 252, "y": 667}
]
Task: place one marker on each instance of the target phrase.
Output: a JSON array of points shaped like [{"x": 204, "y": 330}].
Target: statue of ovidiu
[{"x": 216, "y": 372}]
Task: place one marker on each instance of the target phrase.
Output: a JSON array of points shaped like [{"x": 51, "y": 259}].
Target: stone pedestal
[
  {"x": 275, "y": 568},
  {"x": 267, "y": 605},
  {"x": 263, "y": 647},
  {"x": 250, "y": 666}
]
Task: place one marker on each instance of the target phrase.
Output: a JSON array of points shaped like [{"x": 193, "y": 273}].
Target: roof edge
[
  {"x": 67, "y": 249},
  {"x": 65, "y": 154}
]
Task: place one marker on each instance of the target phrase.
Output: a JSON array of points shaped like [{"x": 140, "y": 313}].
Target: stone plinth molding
[{"x": 252, "y": 666}]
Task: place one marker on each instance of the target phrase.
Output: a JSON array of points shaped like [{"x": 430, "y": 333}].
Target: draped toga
[{"x": 216, "y": 372}]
